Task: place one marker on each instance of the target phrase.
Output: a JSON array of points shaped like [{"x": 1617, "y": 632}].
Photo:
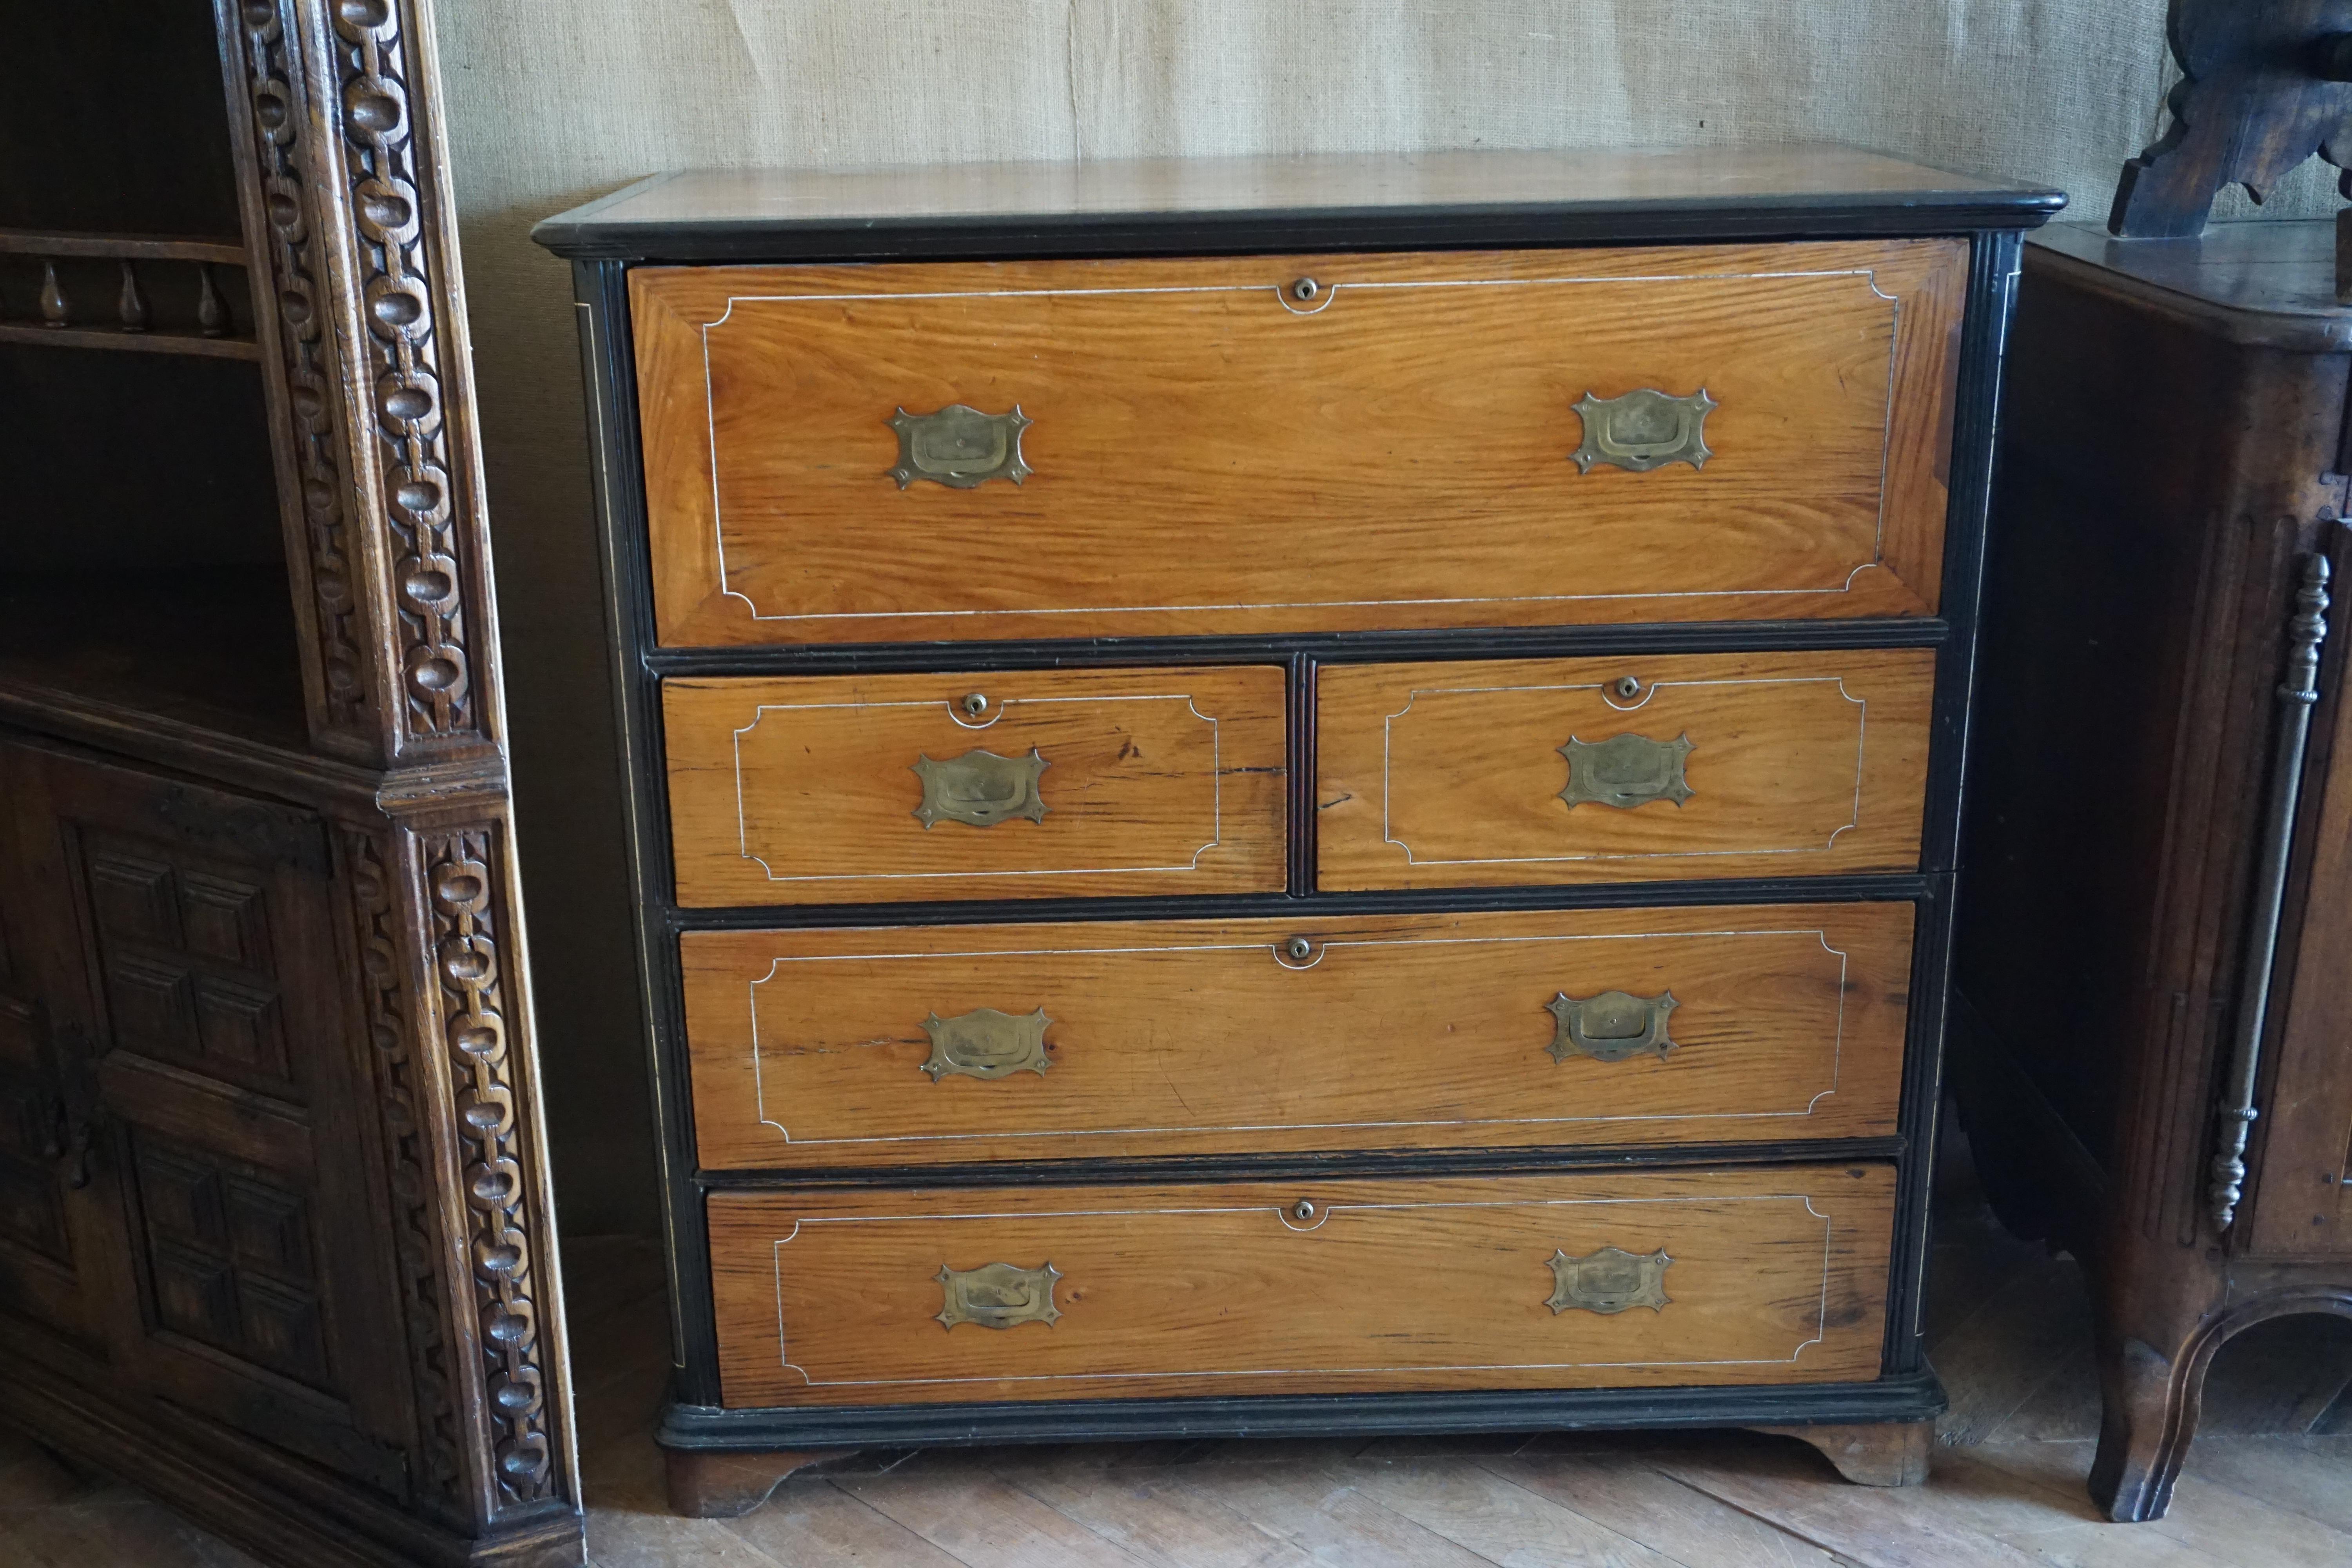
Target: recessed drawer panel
[
  {"x": 1621, "y": 769},
  {"x": 1268, "y": 444},
  {"x": 1036, "y": 785},
  {"x": 938, "y": 1045},
  {"x": 851, "y": 1297}
]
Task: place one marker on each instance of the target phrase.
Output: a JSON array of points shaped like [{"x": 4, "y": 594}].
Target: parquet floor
[{"x": 2269, "y": 1482}]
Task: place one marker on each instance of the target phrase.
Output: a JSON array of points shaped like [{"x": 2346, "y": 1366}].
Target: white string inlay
[
  {"x": 1216, "y": 791},
  {"x": 776, "y": 965},
  {"x": 1820, "y": 1327},
  {"x": 1387, "y": 792},
  {"x": 1868, "y": 276}
]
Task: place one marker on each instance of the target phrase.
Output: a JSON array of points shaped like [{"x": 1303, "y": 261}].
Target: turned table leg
[
  {"x": 1882, "y": 1454},
  {"x": 720, "y": 1483}
]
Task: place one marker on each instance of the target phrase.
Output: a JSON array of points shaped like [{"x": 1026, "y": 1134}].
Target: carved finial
[
  {"x": 2305, "y": 631},
  {"x": 131, "y": 305},
  {"x": 212, "y": 315},
  {"x": 2229, "y": 1167},
  {"x": 53, "y": 299}
]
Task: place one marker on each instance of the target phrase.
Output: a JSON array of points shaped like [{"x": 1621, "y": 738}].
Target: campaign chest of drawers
[{"x": 1295, "y": 795}]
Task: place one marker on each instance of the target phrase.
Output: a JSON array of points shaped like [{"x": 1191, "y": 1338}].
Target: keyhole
[
  {"x": 975, "y": 703},
  {"x": 1628, "y": 686}
]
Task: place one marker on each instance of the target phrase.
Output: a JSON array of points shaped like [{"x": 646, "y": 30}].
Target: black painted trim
[
  {"x": 1908, "y": 1393},
  {"x": 1915, "y": 1396},
  {"x": 1890, "y": 886},
  {"x": 987, "y": 238},
  {"x": 610, "y": 360},
  {"x": 1324, "y": 647},
  {"x": 1334, "y": 1165}
]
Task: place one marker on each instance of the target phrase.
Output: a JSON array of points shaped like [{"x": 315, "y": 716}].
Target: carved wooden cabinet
[
  {"x": 1298, "y": 795},
  {"x": 275, "y": 1226},
  {"x": 2152, "y": 1056}
]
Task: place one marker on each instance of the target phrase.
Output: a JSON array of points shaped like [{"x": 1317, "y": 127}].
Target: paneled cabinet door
[
  {"x": 191, "y": 956},
  {"x": 56, "y": 1242}
]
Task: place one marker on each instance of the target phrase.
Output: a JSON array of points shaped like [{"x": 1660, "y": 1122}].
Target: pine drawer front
[
  {"x": 846, "y": 789},
  {"x": 1621, "y": 769},
  {"x": 912, "y": 452},
  {"x": 1615, "y": 1028},
  {"x": 857, "y": 1297}
]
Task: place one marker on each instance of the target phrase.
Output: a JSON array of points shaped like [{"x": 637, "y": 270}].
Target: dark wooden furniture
[
  {"x": 1295, "y": 795},
  {"x": 2157, "y": 914},
  {"x": 2264, "y": 85},
  {"x": 275, "y": 1234}
]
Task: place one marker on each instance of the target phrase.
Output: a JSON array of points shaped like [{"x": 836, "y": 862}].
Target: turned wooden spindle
[
  {"x": 53, "y": 299},
  {"x": 131, "y": 305},
  {"x": 212, "y": 315}
]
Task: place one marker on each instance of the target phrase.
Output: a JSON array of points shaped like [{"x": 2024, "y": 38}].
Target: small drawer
[
  {"x": 1621, "y": 769},
  {"x": 859, "y": 1296},
  {"x": 937, "y": 1045},
  {"x": 1257, "y": 444},
  {"x": 1041, "y": 783}
]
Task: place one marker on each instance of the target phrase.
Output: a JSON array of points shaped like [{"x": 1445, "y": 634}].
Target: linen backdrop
[{"x": 551, "y": 102}]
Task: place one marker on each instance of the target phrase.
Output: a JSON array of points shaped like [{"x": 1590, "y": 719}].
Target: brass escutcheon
[
  {"x": 1611, "y": 1027},
  {"x": 981, "y": 788},
  {"x": 985, "y": 1043},
  {"x": 998, "y": 1295},
  {"x": 1626, "y": 771},
  {"x": 1609, "y": 1282}
]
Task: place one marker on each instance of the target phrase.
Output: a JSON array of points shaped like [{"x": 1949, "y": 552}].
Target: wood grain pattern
[
  {"x": 803, "y": 791},
  {"x": 829, "y": 1297},
  {"x": 1450, "y": 774},
  {"x": 1198, "y": 1036},
  {"x": 1211, "y": 455}
]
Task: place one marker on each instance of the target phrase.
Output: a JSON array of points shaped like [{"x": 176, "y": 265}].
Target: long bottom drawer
[{"x": 1764, "y": 1275}]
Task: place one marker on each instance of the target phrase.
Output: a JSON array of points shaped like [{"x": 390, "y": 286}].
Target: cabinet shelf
[{"x": 213, "y": 646}]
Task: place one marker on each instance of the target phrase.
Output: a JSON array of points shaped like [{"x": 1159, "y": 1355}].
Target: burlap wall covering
[{"x": 554, "y": 102}]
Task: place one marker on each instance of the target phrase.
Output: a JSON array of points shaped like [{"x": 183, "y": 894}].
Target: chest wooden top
[{"x": 1163, "y": 206}]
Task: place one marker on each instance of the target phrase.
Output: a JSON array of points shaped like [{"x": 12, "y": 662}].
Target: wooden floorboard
[{"x": 2268, "y": 1483}]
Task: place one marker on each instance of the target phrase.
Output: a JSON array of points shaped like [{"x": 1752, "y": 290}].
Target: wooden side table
[{"x": 2156, "y": 918}]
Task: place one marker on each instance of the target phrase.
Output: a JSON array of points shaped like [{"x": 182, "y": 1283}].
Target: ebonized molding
[{"x": 1906, "y": 1390}]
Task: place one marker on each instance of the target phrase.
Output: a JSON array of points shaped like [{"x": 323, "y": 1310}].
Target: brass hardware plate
[
  {"x": 1626, "y": 771},
  {"x": 1611, "y": 1027},
  {"x": 985, "y": 1043},
  {"x": 959, "y": 446},
  {"x": 982, "y": 788},
  {"x": 1609, "y": 1282},
  {"x": 1643, "y": 429},
  {"x": 998, "y": 1295}
]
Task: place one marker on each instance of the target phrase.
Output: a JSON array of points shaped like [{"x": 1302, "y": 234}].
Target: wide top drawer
[{"x": 1265, "y": 443}]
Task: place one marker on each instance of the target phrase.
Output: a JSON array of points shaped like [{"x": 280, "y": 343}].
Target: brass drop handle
[
  {"x": 1626, "y": 771},
  {"x": 981, "y": 788},
  {"x": 998, "y": 1295},
  {"x": 959, "y": 446},
  {"x": 987, "y": 1044},
  {"x": 1643, "y": 429},
  {"x": 1609, "y": 1282},
  {"x": 1610, "y": 1027}
]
